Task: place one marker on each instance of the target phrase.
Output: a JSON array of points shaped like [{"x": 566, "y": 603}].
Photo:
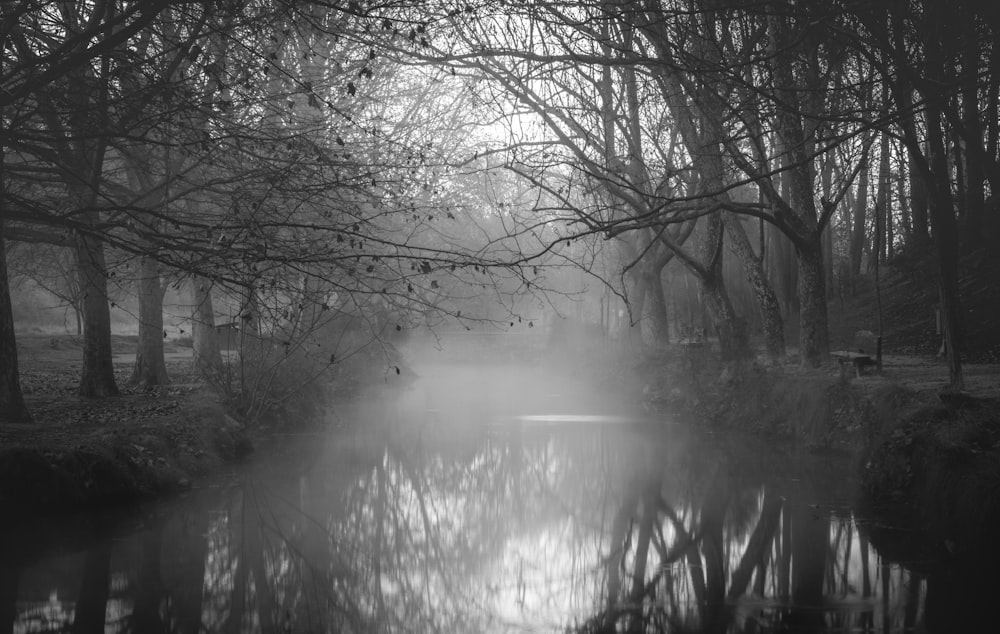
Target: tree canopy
[{"x": 398, "y": 158}]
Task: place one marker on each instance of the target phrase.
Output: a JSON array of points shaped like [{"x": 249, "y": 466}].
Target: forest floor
[{"x": 84, "y": 453}]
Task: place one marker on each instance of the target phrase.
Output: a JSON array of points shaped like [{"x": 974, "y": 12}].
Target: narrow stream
[{"x": 481, "y": 499}]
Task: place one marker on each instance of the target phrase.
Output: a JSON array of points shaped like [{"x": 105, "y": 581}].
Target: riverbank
[
  {"x": 83, "y": 453},
  {"x": 93, "y": 453},
  {"x": 928, "y": 461}
]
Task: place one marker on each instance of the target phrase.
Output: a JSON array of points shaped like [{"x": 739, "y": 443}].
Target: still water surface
[{"x": 482, "y": 499}]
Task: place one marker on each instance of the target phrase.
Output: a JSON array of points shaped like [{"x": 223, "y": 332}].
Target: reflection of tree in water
[
  {"x": 598, "y": 530},
  {"x": 609, "y": 530}
]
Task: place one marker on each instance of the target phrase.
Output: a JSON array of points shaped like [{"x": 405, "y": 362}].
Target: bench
[
  {"x": 689, "y": 343},
  {"x": 864, "y": 353}
]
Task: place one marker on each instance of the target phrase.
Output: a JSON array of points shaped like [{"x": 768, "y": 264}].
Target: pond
[{"x": 494, "y": 498}]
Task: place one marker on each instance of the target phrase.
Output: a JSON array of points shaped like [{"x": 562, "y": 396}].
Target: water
[{"x": 481, "y": 499}]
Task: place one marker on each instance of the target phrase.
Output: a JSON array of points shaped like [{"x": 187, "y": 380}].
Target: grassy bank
[{"x": 88, "y": 453}]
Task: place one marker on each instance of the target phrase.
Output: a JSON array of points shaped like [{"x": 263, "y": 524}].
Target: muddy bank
[{"x": 88, "y": 455}]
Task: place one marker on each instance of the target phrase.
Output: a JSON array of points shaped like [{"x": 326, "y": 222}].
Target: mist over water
[{"x": 484, "y": 495}]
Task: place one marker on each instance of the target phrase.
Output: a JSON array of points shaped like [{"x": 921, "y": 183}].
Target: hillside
[{"x": 909, "y": 297}]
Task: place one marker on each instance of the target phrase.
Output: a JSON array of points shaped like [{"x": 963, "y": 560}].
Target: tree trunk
[
  {"x": 992, "y": 110},
  {"x": 150, "y": 367},
  {"x": 97, "y": 378},
  {"x": 781, "y": 268},
  {"x": 882, "y": 206},
  {"x": 729, "y": 327},
  {"x": 828, "y": 230},
  {"x": 767, "y": 300},
  {"x": 12, "y": 406},
  {"x": 205, "y": 340},
  {"x": 906, "y": 224},
  {"x": 921, "y": 236},
  {"x": 814, "y": 336},
  {"x": 975, "y": 172},
  {"x": 655, "y": 308},
  {"x": 828, "y": 258},
  {"x": 860, "y": 215},
  {"x": 946, "y": 244},
  {"x": 636, "y": 294},
  {"x": 941, "y": 208}
]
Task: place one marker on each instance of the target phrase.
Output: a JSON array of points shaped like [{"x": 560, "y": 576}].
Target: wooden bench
[
  {"x": 689, "y": 343},
  {"x": 863, "y": 353}
]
